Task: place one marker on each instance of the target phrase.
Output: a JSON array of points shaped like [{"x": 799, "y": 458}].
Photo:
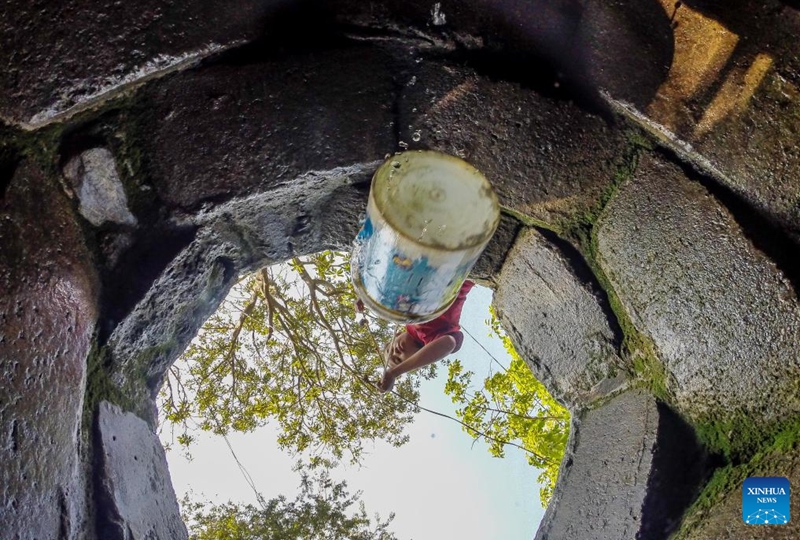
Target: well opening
[{"x": 287, "y": 361}]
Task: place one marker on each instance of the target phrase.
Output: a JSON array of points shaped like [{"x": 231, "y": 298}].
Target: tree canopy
[
  {"x": 288, "y": 347},
  {"x": 321, "y": 511},
  {"x": 513, "y": 406}
]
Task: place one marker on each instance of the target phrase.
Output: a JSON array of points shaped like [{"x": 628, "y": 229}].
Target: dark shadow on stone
[
  {"x": 762, "y": 27},
  {"x": 9, "y": 159},
  {"x": 624, "y": 47},
  {"x": 292, "y": 28},
  {"x": 680, "y": 469},
  {"x": 108, "y": 522},
  {"x": 585, "y": 275},
  {"x": 765, "y": 234},
  {"x": 64, "y": 525},
  {"x": 490, "y": 263},
  {"x": 504, "y": 40},
  {"x": 137, "y": 268},
  {"x": 535, "y": 73},
  {"x": 540, "y": 63},
  {"x": 733, "y": 14},
  {"x": 76, "y": 143},
  {"x": 8, "y": 164},
  {"x": 130, "y": 258}
]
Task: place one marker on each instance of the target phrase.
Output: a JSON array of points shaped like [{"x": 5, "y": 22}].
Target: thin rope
[
  {"x": 247, "y": 477},
  {"x": 260, "y": 498},
  {"x": 245, "y": 473},
  {"x": 478, "y": 432},
  {"x": 484, "y": 348},
  {"x": 444, "y": 415}
]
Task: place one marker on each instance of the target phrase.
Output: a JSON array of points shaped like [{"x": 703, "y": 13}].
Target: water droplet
[
  {"x": 439, "y": 18},
  {"x": 413, "y": 81},
  {"x": 424, "y": 229},
  {"x": 416, "y": 136},
  {"x": 403, "y": 145},
  {"x": 395, "y": 164}
]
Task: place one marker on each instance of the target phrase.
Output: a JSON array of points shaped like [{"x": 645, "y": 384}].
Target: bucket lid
[{"x": 436, "y": 200}]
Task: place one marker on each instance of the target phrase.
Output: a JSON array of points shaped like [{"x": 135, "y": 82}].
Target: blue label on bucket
[
  {"x": 404, "y": 283},
  {"x": 397, "y": 274},
  {"x": 366, "y": 231}
]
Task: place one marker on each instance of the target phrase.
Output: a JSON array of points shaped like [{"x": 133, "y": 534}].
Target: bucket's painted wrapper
[{"x": 428, "y": 219}]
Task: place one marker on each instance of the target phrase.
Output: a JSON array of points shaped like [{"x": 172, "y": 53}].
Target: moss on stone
[
  {"x": 147, "y": 356},
  {"x": 743, "y": 444},
  {"x": 529, "y": 221},
  {"x": 717, "y": 435},
  {"x": 99, "y": 386},
  {"x": 580, "y": 227},
  {"x": 132, "y": 162},
  {"x": 9, "y": 149},
  {"x": 637, "y": 348},
  {"x": 738, "y": 438},
  {"x": 44, "y": 145},
  {"x": 39, "y": 146},
  {"x": 784, "y": 438}
]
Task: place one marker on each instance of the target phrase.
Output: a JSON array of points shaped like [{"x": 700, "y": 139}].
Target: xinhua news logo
[{"x": 765, "y": 500}]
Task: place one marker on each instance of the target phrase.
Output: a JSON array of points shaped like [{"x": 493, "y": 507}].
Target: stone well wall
[{"x": 645, "y": 154}]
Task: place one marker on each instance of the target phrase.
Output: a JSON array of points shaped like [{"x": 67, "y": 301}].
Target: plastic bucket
[{"x": 429, "y": 217}]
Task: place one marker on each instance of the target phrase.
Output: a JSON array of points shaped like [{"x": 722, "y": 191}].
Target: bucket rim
[{"x": 486, "y": 185}]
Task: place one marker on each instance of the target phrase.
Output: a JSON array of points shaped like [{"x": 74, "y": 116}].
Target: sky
[{"x": 439, "y": 485}]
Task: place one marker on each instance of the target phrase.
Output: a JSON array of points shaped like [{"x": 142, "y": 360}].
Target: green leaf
[
  {"x": 285, "y": 348},
  {"x": 323, "y": 510}
]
